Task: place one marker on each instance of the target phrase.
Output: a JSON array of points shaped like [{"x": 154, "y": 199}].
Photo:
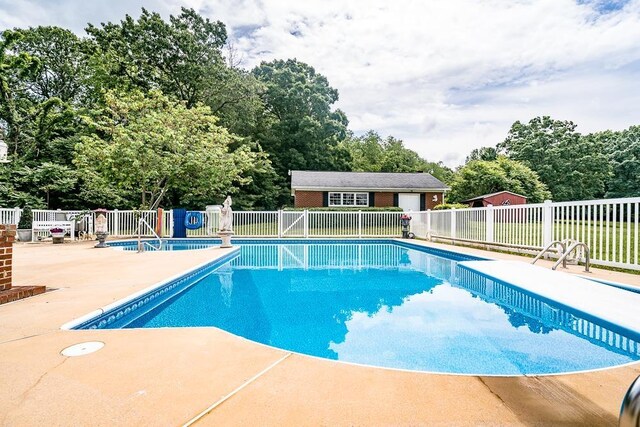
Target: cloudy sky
[{"x": 444, "y": 76}]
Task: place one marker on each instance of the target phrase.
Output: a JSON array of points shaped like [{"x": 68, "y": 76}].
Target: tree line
[
  {"x": 549, "y": 159},
  {"x": 150, "y": 112}
]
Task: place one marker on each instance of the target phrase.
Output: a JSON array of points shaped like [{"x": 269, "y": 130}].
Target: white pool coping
[
  {"x": 122, "y": 301},
  {"x": 611, "y": 304}
]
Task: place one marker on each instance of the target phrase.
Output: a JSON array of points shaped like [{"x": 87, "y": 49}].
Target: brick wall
[
  {"x": 7, "y": 236},
  {"x": 430, "y": 202},
  {"x": 313, "y": 199},
  {"x": 308, "y": 199},
  {"x": 384, "y": 200}
]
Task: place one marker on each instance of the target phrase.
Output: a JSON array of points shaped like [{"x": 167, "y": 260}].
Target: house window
[{"x": 348, "y": 199}]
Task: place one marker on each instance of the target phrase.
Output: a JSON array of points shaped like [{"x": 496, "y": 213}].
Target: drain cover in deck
[{"x": 82, "y": 348}]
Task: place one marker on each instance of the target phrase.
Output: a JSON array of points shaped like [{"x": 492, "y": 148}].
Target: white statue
[
  {"x": 226, "y": 215},
  {"x": 101, "y": 223}
]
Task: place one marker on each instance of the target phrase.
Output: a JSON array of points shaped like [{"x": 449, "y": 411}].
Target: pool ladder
[
  {"x": 567, "y": 246},
  {"x": 141, "y": 244},
  {"x": 630, "y": 409}
]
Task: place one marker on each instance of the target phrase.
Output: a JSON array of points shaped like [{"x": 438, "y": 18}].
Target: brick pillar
[
  {"x": 7, "y": 236},
  {"x": 159, "y": 223}
]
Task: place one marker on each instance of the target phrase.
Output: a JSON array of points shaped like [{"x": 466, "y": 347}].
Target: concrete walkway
[{"x": 169, "y": 376}]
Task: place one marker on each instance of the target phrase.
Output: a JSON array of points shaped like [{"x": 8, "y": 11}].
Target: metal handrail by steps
[
  {"x": 140, "y": 242},
  {"x": 573, "y": 247},
  {"x": 568, "y": 246},
  {"x": 548, "y": 247}
]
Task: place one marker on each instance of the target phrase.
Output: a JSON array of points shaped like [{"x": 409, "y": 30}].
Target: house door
[{"x": 409, "y": 202}]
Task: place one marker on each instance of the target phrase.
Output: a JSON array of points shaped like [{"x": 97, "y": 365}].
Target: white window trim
[{"x": 354, "y": 194}]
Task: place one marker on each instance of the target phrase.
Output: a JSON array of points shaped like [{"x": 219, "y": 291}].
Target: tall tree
[
  {"x": 43, "y": 74},
  {"x": 484, "y": 177},
  {"x": 183, "y": 58},
  {"x": 372, "y": 153},
  {"x": 301, "y": 131},
  {"x": 63, "y": 69},
  {"x": 573, "y": 167},
  {"x": 178, "y": 57},
  {"x": 39, "y": 78},
  {"x": 482, "y": 153},
  {"x": 624, "y": 154},
  {"x": 13, "y": 69},
  {"x": 367, "y": 151},
  {"x": 146, "y": 147}
]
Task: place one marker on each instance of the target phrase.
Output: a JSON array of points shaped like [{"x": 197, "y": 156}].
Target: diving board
[{"x": 613, "y": 305}]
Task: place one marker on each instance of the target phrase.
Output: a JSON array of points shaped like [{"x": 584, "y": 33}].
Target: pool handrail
[
  {"x": 572, "y": 248},
  {"x": 140, "y": 243},
  {"x": 548, "y": 247}
]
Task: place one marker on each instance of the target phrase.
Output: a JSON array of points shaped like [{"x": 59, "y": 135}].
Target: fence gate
[{"x": 294, "y": 224}]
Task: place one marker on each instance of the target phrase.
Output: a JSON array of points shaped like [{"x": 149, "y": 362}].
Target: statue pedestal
[
  {"x": 101, "y": 236},
  {"x": 226, "y": 238}
]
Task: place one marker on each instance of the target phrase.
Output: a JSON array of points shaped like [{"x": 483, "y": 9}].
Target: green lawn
[{"x": 610, "y": 241}]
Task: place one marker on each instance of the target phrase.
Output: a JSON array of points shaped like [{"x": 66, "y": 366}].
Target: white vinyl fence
[
  {"x": 311, "y": 224},
  {"x": 303, "y": 224},
  {"x": 10, "y": 215},
  {"x": 124, "y": 223},
  {"x": 608, "y": 227},
  {"x": 120, "y": 223}
]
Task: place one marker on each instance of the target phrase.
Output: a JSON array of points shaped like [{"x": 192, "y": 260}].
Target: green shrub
[
  {"x": 446, "y": 206},
  {"x": 26, "y": 218}
]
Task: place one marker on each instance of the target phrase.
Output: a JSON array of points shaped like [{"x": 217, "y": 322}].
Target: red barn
[{"x": 501, "y": 198}]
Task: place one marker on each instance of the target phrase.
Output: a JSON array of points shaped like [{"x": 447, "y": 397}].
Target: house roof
[
  {"x": 485, "y": 196},
  {"x": 316, "y": 180}
]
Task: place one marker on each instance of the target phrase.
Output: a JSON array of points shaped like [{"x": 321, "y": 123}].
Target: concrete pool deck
[{"x": 169, "y": 376}]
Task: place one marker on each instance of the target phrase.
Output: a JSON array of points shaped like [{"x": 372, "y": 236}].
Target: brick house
[
  {"x": 501, "y": 198},
  {"x": 410, "y": 191}
]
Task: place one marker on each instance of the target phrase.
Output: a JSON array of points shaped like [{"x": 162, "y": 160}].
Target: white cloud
[
  {"x": 450, "y": 77},
  {"x": 428, "y": 328},
  {"x": 445, "y": 77}
]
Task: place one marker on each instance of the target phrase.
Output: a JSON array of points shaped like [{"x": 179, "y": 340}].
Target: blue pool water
[
  {"x": 166, "y": 244},
  {"x": 378, "y": 303}
]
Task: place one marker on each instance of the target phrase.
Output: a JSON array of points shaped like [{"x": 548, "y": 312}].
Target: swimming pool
[
  {"x": 381, "y": 303},
  {"x": 166, "y": 244}
]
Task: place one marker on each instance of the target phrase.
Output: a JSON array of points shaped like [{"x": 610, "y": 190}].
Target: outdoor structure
[
  {"x": 8, "y": 292},
  {"x": 409, "y": 191},
  {"x": 501, "y": 198},
  {"x": 7, "y": 235}
]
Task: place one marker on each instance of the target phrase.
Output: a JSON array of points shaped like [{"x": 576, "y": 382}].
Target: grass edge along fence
[{"x": 608, "y": 227}]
